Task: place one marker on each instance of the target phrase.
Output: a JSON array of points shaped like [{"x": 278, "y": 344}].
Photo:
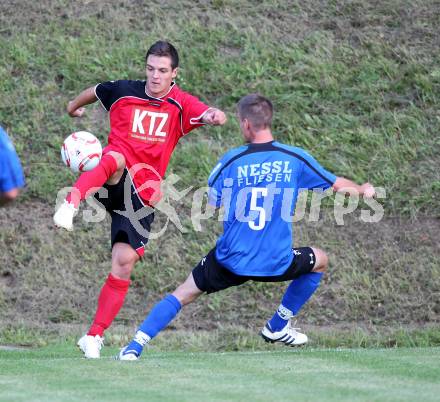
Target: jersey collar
[
  {"x": 260, "y": 144},
  {"x": 162, "y": 97}
]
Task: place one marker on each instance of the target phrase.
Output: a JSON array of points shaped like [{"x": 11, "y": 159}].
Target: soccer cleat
[
  {"x": 127, "y": 354},
  {"x": 91, "y": 346},
  {"x": 63, "y": 218},
  {"x": 288, "y": 335}
]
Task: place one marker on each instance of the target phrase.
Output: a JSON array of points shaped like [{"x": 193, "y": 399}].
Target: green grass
[
  {"x": 365, "y": 111},
  {"x": 357, "y": 83},
  {"x": 227, "y": 338},
  {"x": 57, "y": 373}
]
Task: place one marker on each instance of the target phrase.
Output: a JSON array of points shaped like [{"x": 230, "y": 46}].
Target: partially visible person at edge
[
  {"x": 260, "y": 182},
  {"x": 147, "y": 119},
  {"x": 11, "y": 172}
]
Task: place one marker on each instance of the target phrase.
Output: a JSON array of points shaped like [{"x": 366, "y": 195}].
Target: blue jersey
[
  {"x": 258, "y": 185},
  {"x": 11, "y": 174}
]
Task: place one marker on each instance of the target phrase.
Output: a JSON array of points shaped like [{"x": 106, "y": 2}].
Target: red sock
[
  {"x": 110, "y": 302},
  {"x": 95, "y": 178}
]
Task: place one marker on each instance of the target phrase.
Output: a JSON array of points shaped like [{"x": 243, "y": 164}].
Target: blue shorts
[{"x": 11, "y": 173}]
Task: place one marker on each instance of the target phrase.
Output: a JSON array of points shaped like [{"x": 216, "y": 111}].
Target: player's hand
[
  {"x": 74, "y": 112},
  {"x": 214, "y": 117},
  {"x": 368, "y": 190}
]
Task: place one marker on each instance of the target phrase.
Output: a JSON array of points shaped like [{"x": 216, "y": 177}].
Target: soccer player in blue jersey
[
  {"x": 258, "y": 185},
  {"x": 11, "y": 173}
]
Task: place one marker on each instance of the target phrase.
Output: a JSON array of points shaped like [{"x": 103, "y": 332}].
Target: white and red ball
[{"x": 81, "y": 151}]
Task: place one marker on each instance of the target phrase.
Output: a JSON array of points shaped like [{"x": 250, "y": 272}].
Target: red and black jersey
[{"x": 146, "y": 129}]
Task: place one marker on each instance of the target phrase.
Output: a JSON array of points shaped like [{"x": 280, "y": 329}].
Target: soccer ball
[{"x": 81, "y": 151}]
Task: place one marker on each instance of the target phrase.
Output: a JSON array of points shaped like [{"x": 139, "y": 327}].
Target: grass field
[
  {"x": 57, "y": 373},
  {"x": 356, "y": 83}
]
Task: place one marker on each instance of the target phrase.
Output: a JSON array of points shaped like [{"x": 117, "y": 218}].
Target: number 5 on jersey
[{"x": 253, "y": 207}]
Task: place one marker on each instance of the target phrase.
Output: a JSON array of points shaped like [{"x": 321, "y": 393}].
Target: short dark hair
[
  {"x": 257, "y": 109},
  {"x": 162, "y": 48}
]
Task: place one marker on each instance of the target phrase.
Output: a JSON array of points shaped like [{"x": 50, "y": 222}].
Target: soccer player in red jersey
[{"x": 147, "y": 119}]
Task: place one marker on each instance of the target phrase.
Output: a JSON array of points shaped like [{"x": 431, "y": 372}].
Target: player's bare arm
[
  {"x": 347, "y": 186},
  {"x": 75, "y": 108},
  {"x": 214, "y": 117}
]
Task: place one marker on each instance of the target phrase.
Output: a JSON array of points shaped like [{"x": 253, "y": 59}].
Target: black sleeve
[{"x": 108, "y": 93}]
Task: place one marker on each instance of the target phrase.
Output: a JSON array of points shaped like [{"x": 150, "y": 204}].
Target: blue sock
[
  {"x": 160, "y": 316},
  {"x": 298, "y": 292}
]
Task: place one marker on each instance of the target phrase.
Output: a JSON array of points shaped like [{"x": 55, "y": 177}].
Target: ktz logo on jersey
[{"x": 147, "y": 125}]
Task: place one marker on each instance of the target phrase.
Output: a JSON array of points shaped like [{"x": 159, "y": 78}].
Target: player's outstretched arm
[
  {"x": 214, "y": 117},
  {"x": 347, "y": 186},
  {"x": 75, "y": 107}
]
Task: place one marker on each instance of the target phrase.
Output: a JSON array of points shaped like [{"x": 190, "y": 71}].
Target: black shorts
[
  {"x": 131, "y": 218},
  {"x": 210, "y": 276}
]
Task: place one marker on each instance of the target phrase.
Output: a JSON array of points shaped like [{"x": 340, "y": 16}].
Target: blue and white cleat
[
  {"x": 127, "y": 354},
  {"x": 288, "y": 335}
]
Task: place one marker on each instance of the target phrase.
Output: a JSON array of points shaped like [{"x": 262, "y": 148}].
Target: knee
[
  {"x": 122, "y": 271},
  {"x": 185, "y": 295},
  {"x": 123, "y": 263},
  {"x": 321, "y": 263},
  {"x": 119, "y": 158}
]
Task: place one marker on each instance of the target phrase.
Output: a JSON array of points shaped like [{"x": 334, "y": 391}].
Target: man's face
[{"x": 159, "y": 75}]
